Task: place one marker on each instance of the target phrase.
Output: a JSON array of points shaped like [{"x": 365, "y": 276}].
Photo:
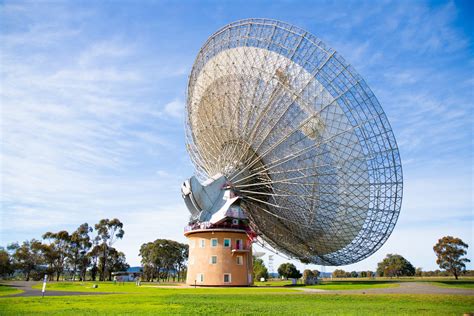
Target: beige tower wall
[{"x": 202, "y": 271}]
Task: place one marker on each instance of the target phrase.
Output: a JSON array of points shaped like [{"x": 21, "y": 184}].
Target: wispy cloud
[
  {"x": 80, "y": 141},
  {"x": 175, "y": 108}
]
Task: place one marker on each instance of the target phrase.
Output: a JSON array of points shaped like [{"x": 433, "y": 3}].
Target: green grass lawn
[
  {"x": 236, "y": 301},
  {"x": 349, "y": 285},
  {"x": 132, "y": 288},
  {"x": 336, "y": 285},
  {"x": 7, "y": 290},
  {"x": 128, "y": 287},
  {"x": 463, "y": 284},
  {"x": 147, "y": 288},
  {"x": 273, "y": 283}
]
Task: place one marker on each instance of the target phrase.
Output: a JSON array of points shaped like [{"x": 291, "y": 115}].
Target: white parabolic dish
[{"x": 299, "y": 136}]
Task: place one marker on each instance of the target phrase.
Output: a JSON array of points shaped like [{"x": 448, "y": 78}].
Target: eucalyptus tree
[
  {"x": 6, "y": 263},
  {"x": 116, "y": 261},
  {"x": 108, "y": 232},
  {"x": 93, "y": 258},
  {"x": 148, "y": 261},
  {"x": 80, "y": 244},
  {"x": 162, "y": 256},
  {"x": 449, "y": 252},
  {"x": 51, "y": 258},
  {"x": 259, "y": 269},
  {"x": 27, "y": 256},
  {"x": 59, "y": 244},
  {"x": 181, "y": 259}
]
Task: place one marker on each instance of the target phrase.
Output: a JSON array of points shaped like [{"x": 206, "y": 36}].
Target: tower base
[{"x": 219, "y": 257}]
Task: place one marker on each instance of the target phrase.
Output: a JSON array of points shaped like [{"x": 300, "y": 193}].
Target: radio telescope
[{"x": 287, "y": 138}]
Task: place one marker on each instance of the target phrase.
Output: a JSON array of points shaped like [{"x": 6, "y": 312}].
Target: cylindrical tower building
[{"x": 219, "y": 257}]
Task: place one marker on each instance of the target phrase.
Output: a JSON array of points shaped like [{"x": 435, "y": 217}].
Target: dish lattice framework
[{"x": 301, "y": 138}]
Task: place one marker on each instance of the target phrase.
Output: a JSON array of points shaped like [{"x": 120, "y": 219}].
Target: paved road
[
  {"x": 404, "y": 288},
  {"x": 27, "y": 289}
]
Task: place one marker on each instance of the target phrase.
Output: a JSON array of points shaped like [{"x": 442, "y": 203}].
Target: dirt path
[
  {"x": 27, "y": 289},
  {"x": 404, "y": 288}
]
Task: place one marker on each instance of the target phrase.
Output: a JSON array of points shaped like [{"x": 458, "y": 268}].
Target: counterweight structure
[{"x": 283, "y": 125}]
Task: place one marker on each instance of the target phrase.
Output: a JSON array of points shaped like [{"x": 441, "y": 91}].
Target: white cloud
[
  {"x": 175, "y": 108},
  {"x": 80, "y": 141},
  {"x": 105, "y": 51}
]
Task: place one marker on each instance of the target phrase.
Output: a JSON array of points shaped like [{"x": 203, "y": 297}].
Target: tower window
[
  {"x": 240, "y": 260},
  {"x": 200, "y": 278},
  {"x": 226, "y": 242},
  {"x": 213, "y": 260},
  {"x": 202, "y": 244},
  {"x": 227, "y": 278},
  {"x": 239, "y": 244},
  {"x": 214, "y": 242}
]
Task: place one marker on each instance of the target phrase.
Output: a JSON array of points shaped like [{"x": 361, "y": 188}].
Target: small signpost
[{"x": 44, "y": 284}]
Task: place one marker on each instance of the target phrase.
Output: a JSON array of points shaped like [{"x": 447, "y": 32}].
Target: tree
[
  {"x": 310, "y": 276},
  {"x": 148, "y": 261},
  {"x": 108, "y": 232},
  {"x": 339, "y": 273},
  {"x": 6, "y": 264},
  {"x": 162, "y": 256},
  {"x": 181, "y": 259},
  {"x": 171, "y": 256},
  {"x": 116, "y": 261},
  {"x": 58, "y": 248},
  {"x": 51, "y": 258},
  {"x": 395, "y": 265},
  {"x": 27, "y": 257},
  {"x": 288, "y": 270},
  {"x": 80, "y": 243},
  {"x": 449, "y": 251},
  {"x": 259, "y": 269},
  {"x": 93, "y": 257},
  {"x": 354, "y": 274},
  {"x": 419, "y": 272}
]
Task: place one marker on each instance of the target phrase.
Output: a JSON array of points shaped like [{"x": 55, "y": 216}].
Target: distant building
[{"x": 132, "y": 274}]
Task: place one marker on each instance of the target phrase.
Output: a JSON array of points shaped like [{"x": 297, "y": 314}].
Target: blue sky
[{"x": 92, "y": 101}]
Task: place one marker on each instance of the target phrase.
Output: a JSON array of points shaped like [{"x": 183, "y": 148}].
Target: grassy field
[
  {"x": 128, "y": 287},
  {"x": 349, "y": 285},
  {"x": 463, "y": 284},
  {"x": 111, "y": 287},
  {"x": 148, "y": 299},
  {"x": 6, "y": 290},
  {"x": 336, "y": 285}
]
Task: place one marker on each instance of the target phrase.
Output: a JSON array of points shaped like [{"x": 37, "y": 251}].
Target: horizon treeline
[{"x": 88, "y": 250}]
